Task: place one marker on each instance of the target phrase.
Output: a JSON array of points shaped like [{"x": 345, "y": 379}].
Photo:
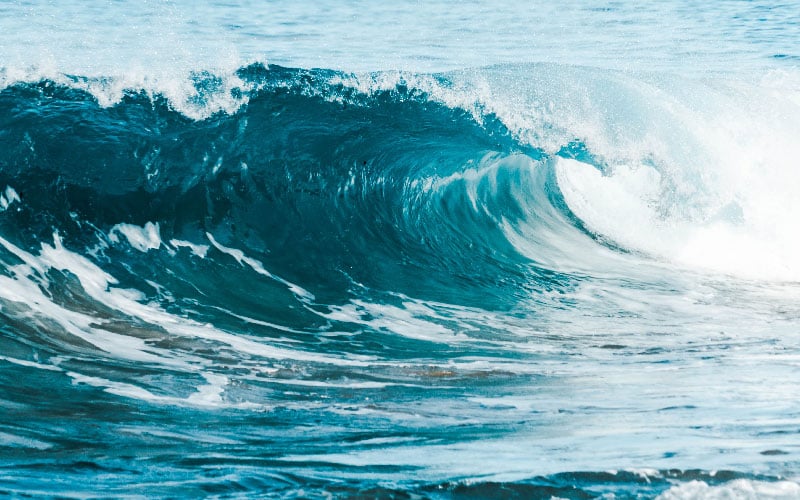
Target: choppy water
[{"x": 488, "y": 251}]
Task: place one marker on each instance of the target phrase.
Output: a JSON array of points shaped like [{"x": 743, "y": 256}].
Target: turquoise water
[{"x": 421, "y": 250}]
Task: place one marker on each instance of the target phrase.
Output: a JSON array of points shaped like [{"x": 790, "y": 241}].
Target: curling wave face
[{"x": 329, "y": 275}]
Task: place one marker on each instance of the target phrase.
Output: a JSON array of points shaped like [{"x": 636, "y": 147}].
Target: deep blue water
[{"x": 420, "y": 251}]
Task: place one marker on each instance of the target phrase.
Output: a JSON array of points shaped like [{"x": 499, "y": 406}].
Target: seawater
[{"x": 412, "y": 250}]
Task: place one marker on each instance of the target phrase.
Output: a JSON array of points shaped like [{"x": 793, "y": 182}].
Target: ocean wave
[
  {"x": 630, "y": 153},
  {"x": 300, "y": 255}
]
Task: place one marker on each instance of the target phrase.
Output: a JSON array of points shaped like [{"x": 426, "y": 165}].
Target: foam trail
[
  {"x": 141, "y": 238},
  {"x": 258, "y": 267},
  {"x": 199, "y": 250}
]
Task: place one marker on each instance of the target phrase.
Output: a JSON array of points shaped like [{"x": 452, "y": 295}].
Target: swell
[{"x": 323, "y": 184}]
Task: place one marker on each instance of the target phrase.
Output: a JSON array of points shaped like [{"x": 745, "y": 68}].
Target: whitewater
[{"x": 418, "y": 250}]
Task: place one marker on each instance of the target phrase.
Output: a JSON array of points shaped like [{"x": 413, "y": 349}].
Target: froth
[
  {"x": 720, "y": 189},
  {"x": 740, "y": 489}
]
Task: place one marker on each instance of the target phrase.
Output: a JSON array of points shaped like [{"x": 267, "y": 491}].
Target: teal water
[
  {"x": 124, "y": 37},
  {"x": 352, "y": 250}
]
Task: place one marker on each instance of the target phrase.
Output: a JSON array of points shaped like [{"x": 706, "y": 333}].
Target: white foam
[
  {"x": 93, "y": 279},
  {"x": 85, "y": 327},
  {"x": 30, "y": 261},
  {"x": 7, "y": 198},
  {"x": 211, "y": 393},
  {"x": 620, "y": 207},
  {"x": 143, "y": 238},
  {"x": 178, "y": 85},
  {"x": 740, "y": 489},
  {"x": 624, "y": 208},
  {"x": 28, "y": 284},
  {"x": 98, "y": 285},
  {"x": 198, "y": 250},
  {"x": 400, "y": 321}
]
